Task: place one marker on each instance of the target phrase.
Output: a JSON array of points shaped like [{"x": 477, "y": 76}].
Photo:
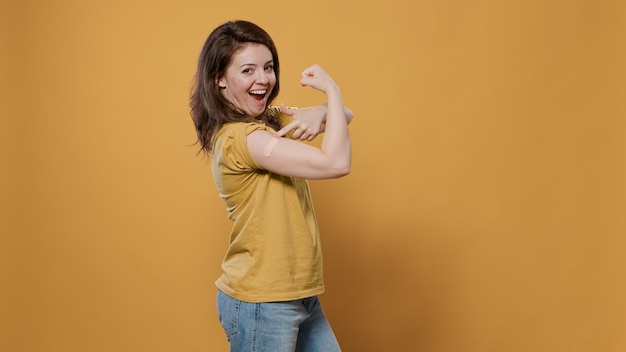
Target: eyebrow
[{"x": 268, "y": 62}]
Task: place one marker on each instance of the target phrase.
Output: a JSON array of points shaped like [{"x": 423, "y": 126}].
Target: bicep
[{"x": 289, "y": 157}]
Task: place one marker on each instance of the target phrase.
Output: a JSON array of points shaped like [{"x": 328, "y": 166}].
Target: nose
[{"x": 263, "y": 77}]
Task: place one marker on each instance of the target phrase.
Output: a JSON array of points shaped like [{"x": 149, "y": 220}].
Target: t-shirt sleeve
[{"x": 235, "y": 148}]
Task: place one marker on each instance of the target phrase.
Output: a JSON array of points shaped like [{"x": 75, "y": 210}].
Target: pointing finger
[{"x": 283, "y": 131}]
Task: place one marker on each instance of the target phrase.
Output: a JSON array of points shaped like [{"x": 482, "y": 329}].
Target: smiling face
[{"x": 249, "y": 79}]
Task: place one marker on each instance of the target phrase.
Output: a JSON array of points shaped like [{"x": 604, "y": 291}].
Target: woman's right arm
[{"x": 293, "y": 158}]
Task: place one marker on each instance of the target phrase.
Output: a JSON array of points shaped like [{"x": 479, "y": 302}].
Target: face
[{"x": 249, "y": 79}]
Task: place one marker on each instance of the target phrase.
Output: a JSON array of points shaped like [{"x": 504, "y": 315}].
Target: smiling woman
[
  {"x": 272, "y": 271},
  {"x": 249, "y": 79},
  {"x": 221, "y": 85}
]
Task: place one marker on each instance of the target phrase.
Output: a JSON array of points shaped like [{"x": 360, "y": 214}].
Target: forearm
[
  {"x": 336, "y": 144},
  {"x": 323, "y": 110}
]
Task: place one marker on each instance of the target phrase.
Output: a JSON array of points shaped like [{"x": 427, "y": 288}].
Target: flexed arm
[{"x": 293, "y": 158}]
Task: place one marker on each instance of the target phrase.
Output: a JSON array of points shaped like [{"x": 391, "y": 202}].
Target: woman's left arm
[{"x": 312, "y": 120}]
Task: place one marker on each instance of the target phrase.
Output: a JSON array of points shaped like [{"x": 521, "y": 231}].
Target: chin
[{"x": 260, "y": 111}]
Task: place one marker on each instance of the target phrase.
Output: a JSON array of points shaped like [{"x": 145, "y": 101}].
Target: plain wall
[{"x": 484, "y": 211}]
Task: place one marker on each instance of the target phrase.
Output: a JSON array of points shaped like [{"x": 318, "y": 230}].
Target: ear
[{"x": 220, "y": 82}]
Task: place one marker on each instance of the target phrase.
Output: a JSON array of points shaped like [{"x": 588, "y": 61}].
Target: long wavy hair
[{"x": 210, "y": 110}]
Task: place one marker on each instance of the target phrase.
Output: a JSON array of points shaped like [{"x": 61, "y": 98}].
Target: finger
[
  {"x": 306, "y": 81},
  {"x": 297, "y": 133},
  {"x": 307, "y": 76},
  {"x": 306, "y": 135},
  {"x": 286, "y": 110},
  {"x": 308, "y": 72},
  {"x": 283, "y": 131}
]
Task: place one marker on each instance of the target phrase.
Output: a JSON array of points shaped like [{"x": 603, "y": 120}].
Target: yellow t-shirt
[{"x": 274, "y": 251}]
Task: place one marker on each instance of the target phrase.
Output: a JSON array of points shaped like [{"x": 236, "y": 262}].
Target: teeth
[{"x": 263, "y": 91}]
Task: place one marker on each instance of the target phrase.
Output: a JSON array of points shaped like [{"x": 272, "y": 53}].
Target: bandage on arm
[{"x": 269, "y": 147}]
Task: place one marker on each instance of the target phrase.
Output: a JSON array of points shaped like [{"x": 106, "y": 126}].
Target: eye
[
  {"x": 269, "y": 68},
  {"x": 246, "y": 70}
]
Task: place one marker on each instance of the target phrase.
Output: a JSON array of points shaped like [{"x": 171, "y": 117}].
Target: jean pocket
[{"x": 228, "y": 312}]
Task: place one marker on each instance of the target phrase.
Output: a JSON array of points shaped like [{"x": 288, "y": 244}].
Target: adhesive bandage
[{"x": 270, "y": 146}]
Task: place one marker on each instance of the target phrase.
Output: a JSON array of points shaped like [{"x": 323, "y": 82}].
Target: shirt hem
[{"x": 270, "y": 297}]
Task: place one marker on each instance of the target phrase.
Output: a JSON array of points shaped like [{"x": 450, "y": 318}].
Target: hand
[
  {"x": 307, "y": 122},
  {"x": 315, "y": 77}
]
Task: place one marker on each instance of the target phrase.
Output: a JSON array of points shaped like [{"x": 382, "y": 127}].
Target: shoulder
[
  {"x": 239, "y": 129},
  {"x": 233, "y": 135},
  {"x": 231, "y": 148}
]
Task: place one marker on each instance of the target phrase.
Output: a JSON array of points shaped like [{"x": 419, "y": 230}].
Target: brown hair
[{"x": 209, "y": 108}]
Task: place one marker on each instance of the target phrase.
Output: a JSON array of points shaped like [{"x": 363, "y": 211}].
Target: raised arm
[{"x": 293, "y": 158}]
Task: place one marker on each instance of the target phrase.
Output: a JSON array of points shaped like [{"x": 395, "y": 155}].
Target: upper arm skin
[{"x": 293, "y": 158}]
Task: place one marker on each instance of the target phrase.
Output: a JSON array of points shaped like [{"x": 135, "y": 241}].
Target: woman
[{"x": 267, "y": 295}]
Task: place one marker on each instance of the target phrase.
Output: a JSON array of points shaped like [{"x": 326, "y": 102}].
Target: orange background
[{"x": 484, "y": 212}]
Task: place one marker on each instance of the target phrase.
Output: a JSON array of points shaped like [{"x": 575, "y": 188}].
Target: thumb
[{"x": 286, "y": 110}]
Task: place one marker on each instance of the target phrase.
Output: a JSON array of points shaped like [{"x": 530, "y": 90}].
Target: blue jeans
[{"x": 298, "y": 325}]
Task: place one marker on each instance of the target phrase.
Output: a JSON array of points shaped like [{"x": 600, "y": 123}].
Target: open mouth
[{"x": 258, "y": 94}]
